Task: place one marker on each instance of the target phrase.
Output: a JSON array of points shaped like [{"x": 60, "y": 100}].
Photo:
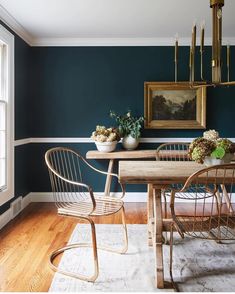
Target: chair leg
[
  {"x": 171, "y": 259},
  {"x": 59, "y": 251},
  {"x": 92, "y": 278},
  {"x": 150, "y": 213},
  {"x": 125, "y": 245}
]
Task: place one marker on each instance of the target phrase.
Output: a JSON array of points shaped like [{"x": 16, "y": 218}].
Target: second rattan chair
[
  {"x": 74, "y": 198},
  {"x": 211, "y": 214},
  {"x": 176, "y": 151}
]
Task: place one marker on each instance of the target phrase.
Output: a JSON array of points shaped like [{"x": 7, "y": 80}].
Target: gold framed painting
[{"x": 169, "y": 105}]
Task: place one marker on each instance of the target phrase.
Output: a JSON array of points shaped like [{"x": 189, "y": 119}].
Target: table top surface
[
  {"x": 122, "y": 154},
  {"x": 134, "y": 154},
  {"x": 157, "y": 171}
]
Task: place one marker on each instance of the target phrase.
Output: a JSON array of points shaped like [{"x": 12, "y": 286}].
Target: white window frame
[{"x": 8, "y": 39}]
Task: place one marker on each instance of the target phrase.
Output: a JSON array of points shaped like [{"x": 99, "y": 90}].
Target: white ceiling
[{"x": 107, "y": 22}]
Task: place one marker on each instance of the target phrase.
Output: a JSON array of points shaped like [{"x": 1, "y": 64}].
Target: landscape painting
[{"x": 174, "y": 106}]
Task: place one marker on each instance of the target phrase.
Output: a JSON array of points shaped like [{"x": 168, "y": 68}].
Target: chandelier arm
[
  {"x": 216, "y": 61},
  {"x": 231, "y": 83}
]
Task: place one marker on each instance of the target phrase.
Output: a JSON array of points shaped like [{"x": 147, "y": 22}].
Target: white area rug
[{"x": 199, "y": 266}]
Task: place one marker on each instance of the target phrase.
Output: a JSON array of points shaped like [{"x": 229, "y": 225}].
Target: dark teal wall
[{"x": 74, "y": 88}]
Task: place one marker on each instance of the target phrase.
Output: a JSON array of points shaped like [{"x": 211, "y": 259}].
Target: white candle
[
  {"x": 194, "y": 33},
  {"x": 228, "y": 55}
]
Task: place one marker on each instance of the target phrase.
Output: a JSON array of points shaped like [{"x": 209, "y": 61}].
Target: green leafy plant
[
  {"x": 128, "y": 124},
  {"x": 210, "y": 145}
]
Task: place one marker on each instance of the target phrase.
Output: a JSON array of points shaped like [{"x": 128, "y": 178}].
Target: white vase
[
  {"x": 228, "y": 157},
  {"x": 208, "y": 161},
  {"x": 106, "y": 146},
  {"x": 130, "y": 143}
]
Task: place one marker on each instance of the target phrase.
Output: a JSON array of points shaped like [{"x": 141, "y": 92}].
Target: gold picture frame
[{"x": 169, "y": 105}]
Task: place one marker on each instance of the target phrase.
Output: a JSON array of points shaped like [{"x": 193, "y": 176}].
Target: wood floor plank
[{"x": 26, "y": 242}]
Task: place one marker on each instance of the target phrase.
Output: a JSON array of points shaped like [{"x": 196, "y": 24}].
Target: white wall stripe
[
  {"x": 89, "y": 140},
  {"x": 22, "y": 142},
  {"x": 165, "y": 140},
  {"x": 61, "y": 140}
]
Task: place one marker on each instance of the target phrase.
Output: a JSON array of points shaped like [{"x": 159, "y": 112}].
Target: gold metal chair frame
[
  {"x": 74, "y": 198},
  {"x": 174, "y": 151},
  {"x": 210, "y": 191}
]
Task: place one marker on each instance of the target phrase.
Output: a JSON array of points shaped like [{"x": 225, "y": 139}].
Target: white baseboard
[
  {"x": 129, "y": 196},
  {"x": 7, "y": 216},
  {"x": 48, "y": 197},
  {"x": 26, "y": 200}
]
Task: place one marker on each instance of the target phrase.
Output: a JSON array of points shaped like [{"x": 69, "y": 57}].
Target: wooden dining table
[
  {"x": 127, "y": 155},
  {"x": 119, "y": 155},
  {"x": 158, "y": 175}
]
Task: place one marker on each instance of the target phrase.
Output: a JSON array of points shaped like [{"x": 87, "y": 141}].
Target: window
[
  {"x": 3, "y": 145},
  {"x": 6, "y": 115}
]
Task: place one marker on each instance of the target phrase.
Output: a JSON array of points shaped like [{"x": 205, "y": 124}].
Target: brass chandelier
[{"x": 216, "y": 61}]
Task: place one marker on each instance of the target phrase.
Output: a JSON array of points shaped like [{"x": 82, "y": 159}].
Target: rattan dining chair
[
  {"x": 74, "y": 198},
  {"x": 211, "y": 215},
  {"x": 175, "y": 151}
]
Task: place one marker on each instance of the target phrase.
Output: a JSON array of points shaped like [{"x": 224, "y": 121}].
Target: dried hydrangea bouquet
[
  {"x": 211, "y": 149},
  {"x": 105, "y": 138}
]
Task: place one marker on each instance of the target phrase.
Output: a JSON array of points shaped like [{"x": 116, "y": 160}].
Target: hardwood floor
[{"x": 25, "y": 244}]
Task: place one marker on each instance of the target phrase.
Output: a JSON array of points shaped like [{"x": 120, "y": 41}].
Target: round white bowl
[{"x": 106, "y": 146}]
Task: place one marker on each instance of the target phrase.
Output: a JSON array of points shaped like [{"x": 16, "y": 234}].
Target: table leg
[
  {"x": 150, "y": 213},
  {"x": 108, "y": 178},
  {"x": 158, "y": 237}
]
